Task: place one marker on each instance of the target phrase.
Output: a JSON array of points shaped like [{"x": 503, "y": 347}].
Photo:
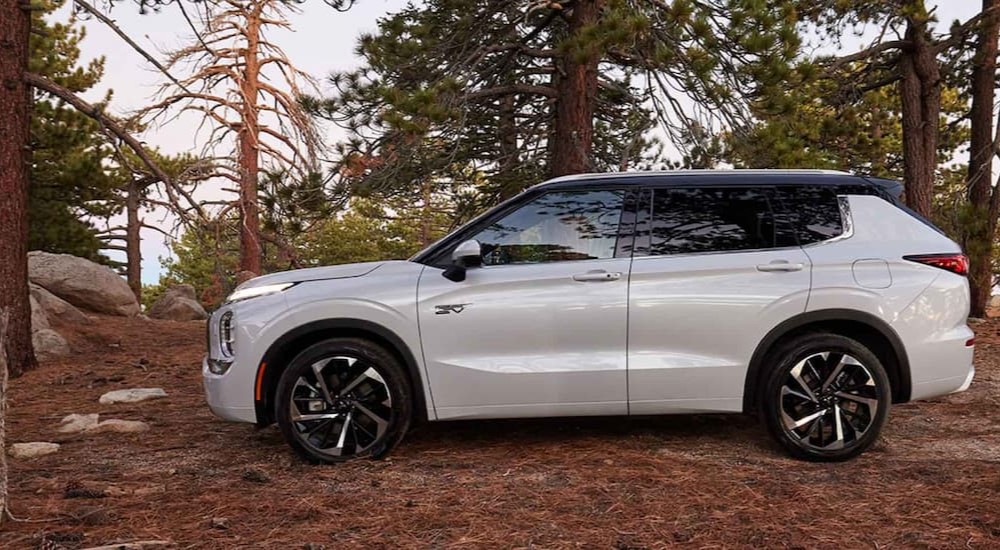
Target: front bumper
[{"x": 223, "y": 400}]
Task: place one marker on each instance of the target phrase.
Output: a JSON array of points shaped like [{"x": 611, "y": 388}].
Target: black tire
[
  {"x": 790, "y": 398},
  {"x": 366, "y": 414}
]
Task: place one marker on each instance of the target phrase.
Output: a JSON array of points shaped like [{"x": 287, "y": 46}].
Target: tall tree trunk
[
  {"x": 984, "y": 201},
  {"x": 249, "y": 155},
  {"x": 576, "y": 95},
  {"x": 426, "y": 213},
  {"x": 133, "y": 240},
  {"x": 920, "y": 92},
  {"x": 507, "y": 127},
  {"x": 15, "y": 100}
]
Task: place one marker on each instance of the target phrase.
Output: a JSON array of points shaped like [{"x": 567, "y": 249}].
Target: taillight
[{"x": 956, "y": 263}]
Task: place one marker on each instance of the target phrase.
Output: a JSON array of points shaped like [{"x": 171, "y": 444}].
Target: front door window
[{"x": 556, "y": 227}]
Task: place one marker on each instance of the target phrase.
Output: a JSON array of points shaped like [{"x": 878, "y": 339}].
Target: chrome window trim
[
  {"x": 713, "y": 252},
  {"x": 846, "y": 223}
]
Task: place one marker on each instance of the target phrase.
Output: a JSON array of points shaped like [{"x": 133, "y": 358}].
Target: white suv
[{"x": 811, "y": 298}]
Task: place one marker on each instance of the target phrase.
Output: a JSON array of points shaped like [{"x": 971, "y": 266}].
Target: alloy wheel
[
  {"x": 828, "y": 401},
  {"x": 340, "y": 406}
]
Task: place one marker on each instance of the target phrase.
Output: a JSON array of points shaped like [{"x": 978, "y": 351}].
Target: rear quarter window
[{"x": 807, "y": 214}]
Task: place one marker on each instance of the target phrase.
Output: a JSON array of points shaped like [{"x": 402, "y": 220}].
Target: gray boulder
[
  {"x": 39, "y": 321},
  {"x": 178, "y": 303},
  {"x": 55, "y": 308},
  {"x": 82, "y": 283},
  {"x": 49, "y": 344}
]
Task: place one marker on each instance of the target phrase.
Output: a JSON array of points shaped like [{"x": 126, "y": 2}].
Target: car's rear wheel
[
  {"x": 343, "y": 398},
  {"x": 827, "y": 397}
]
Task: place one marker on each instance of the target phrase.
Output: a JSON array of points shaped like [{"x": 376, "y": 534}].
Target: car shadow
[{"x": 640, "y": 431}]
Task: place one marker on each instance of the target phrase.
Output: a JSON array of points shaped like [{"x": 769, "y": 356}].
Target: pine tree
[
  {"x": 15, "y": 25},
  {"x": 247, "y": 90},
  {"x": 820, "y": 127},
  {"x": 70, "y": 182},
  {"x": 522, "y": 93},
  {"x": 979, "y": 236}
]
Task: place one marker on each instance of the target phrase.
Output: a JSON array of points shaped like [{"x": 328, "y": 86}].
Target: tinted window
[
  {"x": 808, "y": 214},
  {"x": 556, "y": 227},
  {"x": 708, "y": 219}
]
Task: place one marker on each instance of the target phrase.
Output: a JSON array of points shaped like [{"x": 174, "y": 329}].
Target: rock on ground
[
  {"x": 33, "y": 450},
  {"x": 178, "y": 303},
  {"x": 82, "y": 283},
  {"x": 57, "y": 309},
  {"x": 132, "y": 395},
  {"x": 76, "y": 423},
  {"x": 49, "y": 344},
  {"x": 120, "y": 426},
  {"x": 39, "y": 321}
]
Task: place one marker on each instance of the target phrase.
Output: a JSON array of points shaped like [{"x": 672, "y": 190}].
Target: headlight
[
  {"x": 227, "y": 335},
  {"x": 253, "y": 292}
]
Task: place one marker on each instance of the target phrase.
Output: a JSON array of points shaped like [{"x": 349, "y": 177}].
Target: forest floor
[{"x": 933, "y": 481}]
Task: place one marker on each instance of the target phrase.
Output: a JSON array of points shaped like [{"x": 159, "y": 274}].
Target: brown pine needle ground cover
[{"x": 703, "y": 482}]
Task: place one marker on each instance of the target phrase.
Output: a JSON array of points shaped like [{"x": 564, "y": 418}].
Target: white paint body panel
[
  {"x": 927, "y": 307},
  {"x": 695, "y": 321},
  {"x": 670, "y": 335},
  {"x": 529, "y": 341}
]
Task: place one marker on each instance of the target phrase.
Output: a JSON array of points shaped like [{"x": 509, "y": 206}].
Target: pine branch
[
  {"x": 113, "y": 126},
  {"x": 83, "y": 4}
]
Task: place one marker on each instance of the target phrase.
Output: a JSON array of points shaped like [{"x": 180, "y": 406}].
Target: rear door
[{"x": 710, "y": 277}]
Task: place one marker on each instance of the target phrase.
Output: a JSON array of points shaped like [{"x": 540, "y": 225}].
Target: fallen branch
[
  {"x": 137, "y": 545},
  {"x": 4, "y": 505}
]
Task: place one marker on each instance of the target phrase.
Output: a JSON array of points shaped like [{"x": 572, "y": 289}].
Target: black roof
[{"x": 717, "y": 177}]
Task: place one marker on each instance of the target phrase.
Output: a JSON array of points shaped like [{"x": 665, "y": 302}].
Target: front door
[{"x": 540, "y": 328}]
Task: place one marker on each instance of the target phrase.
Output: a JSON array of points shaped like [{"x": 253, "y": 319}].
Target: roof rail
[{"x": 662, "y": 173}]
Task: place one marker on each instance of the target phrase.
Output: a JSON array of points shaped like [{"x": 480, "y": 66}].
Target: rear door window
[{"x": 709, "y": 219}]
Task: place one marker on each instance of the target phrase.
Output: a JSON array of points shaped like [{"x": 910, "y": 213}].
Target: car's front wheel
[
  {"x": 827, "y": 397},
  {"x": 343, "y": 398}
]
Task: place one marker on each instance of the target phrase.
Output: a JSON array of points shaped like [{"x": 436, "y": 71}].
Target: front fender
[{"x": 386, "y": 313}]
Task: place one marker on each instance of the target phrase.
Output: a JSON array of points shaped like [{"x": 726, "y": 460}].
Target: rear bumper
[{"x": 943, "y": 366}]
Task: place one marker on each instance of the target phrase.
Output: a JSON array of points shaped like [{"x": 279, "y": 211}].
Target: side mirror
[{"x": 466, "y": 255}]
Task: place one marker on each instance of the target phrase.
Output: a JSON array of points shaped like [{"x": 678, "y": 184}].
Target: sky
[{"x": 322, "y": 40}]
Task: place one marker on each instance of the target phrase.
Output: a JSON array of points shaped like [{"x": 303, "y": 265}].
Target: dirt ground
[{"x": 688, "y": 481}]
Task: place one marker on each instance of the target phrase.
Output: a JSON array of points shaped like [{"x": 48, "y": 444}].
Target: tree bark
[
  {"x": 920, "y": 92},
  {"x": 509, "y": 161},
  {"x": 426, "y": 212},
  {"x": 984, "y": 201},
  {"x": 15, "y": 100},
  {"x": 249, "y": 157},
  {"x": 133, "y": 240},
  {"x": 576, "y": 96}
]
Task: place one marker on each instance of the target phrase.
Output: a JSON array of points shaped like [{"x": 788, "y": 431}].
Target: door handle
[
  {"x": 780, "y": 265},
  {"x": 597, "y": 275}
]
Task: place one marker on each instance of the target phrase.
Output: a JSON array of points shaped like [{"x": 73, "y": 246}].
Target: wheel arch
[
  {"x": 868, "y": 329},
  {"x": 287, "y": 346}
]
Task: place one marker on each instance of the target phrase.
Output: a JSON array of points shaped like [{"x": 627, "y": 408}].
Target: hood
[{"x": 314, "y": 274}]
